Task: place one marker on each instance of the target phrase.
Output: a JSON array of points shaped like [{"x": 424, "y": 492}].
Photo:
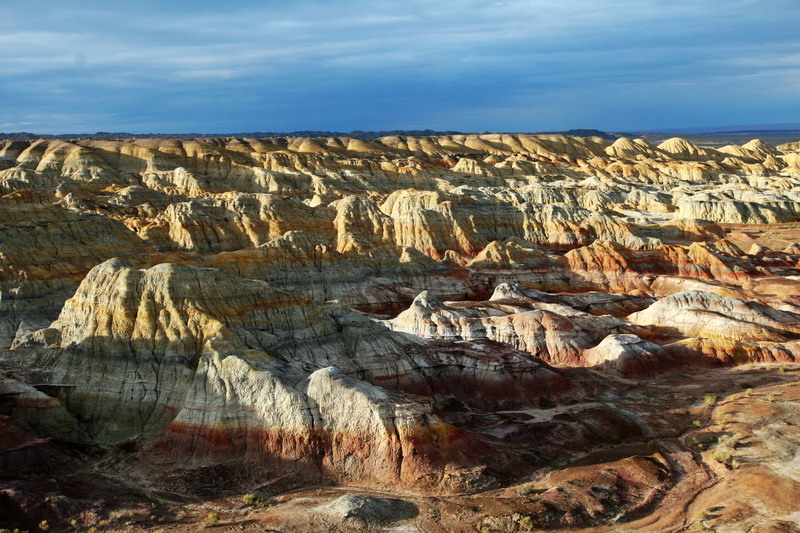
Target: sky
[{"x": 145, "y": 66}]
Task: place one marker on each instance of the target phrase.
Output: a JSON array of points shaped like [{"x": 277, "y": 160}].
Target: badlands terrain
[{"x": 458, "y": 333}]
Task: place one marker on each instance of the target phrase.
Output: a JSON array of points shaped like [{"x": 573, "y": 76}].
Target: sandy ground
[{"x": 773, "y": 236}]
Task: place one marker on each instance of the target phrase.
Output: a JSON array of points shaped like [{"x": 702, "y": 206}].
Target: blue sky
[{"x": 195, "y": 66}]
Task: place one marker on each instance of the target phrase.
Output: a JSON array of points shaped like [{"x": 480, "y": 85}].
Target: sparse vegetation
[
  {"x": 731, "y": 440},
  {"x": 121, "y": 513},
  {"x": 44, "y": 526},
  {"x": 710, "y": 399},
  {"x": 249, "y": 499},
  {"x": 722, "y": 455},
  {"x": 211, "y": 519},
  {"x": 527, "y": 491},
  {"x": 749, "y": 391},
  {"x": 697, "y": 424},
  {"x": 703, "y": 515}
]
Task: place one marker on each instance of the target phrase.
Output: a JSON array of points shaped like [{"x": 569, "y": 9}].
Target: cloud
[{"x": 450, "y": 64}]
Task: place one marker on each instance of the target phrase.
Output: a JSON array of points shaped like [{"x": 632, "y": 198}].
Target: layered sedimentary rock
[
  {"x": 232, "y": 222},
  {"x": 45, "y": 251},
  {"x": 329, "y": 427},
  {"x": 711, "y": 316},
  {"x": 385, "y": 313},
  {"x": 627, "y": 354},
  {"x": 553, "y": 331},
  {"x": 206, "y": 369}
]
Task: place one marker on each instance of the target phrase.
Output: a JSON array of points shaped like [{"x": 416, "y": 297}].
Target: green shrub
[
  {"x": 526, "y": 523},
  {"x": 710, "y": 399},
  {"x": 211, "y": 519},
  {"x": 721, "y": 456},
  {"x": 731, "y": 440}
]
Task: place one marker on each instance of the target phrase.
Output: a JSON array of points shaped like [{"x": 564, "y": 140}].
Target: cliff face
[{"x": 354, "y": 311}]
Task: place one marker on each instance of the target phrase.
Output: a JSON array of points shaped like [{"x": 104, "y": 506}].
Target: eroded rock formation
[{"x": 235, "y": 312}]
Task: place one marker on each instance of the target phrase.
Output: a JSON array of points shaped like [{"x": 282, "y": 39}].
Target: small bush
[
  {"x": 526, "y": 523},
  {"x": 710, "y": 399},
  {"x": 249, "y": 499},
  {"x": 44, "y": 526},
  {"x": 731, "y": 440},
  {"x": 697, "y": 424},
  {"x": 526, "y": 491},
  {"x": 749, "y": 391},
  {"x": 211, "y": 519},
  {"x": 122, "y": 514},
  {"x": 721, "y": 456}
]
